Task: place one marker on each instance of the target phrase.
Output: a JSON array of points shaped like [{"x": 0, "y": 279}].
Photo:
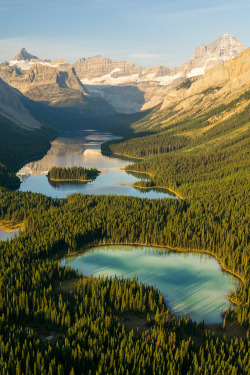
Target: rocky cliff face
[
  {"x": 124, "y": 86},
  {"x": 52, "y": 82},
  {"x": 207, "y": 57},
  {"x": 99, "y": 74},
  {"x": 24, "y": 55},
  {"x": 219, "y": 85},
  {"x": 218, "y": 97},
  {"x": 12, "y": 109},
  {"x": 98, "y": 67},
  {"x": 45, "y": 83}
]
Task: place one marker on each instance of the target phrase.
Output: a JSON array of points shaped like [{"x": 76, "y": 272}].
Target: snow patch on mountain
[
  {"x": 196, "y": 72},
  {"x": 26, "y": 65},
  {"x": 134, "y": 78},
  {"x": 109, "y": 80},
  {"x": 167, "y": 80}
]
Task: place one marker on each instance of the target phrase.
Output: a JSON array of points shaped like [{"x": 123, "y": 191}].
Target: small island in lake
[{"x": 72, "y": 174}]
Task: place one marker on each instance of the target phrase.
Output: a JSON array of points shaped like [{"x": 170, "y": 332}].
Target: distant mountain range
[
  {"x": 202, "y": 115},
  {"x": 44, "y": 82},
  {"x": 205, "y": 100},
  {"x": 100, "y": 86},
  {"x": 203, "y": 112}
]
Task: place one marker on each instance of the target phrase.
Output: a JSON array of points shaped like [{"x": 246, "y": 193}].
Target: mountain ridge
[
  {"x": 126, "y": 87},
  {"x": 45, "y": 83},
  {"x": 151, "y": 85},
  {"x": 12, "y": 108},
  {"x": 199, "y": 113}
]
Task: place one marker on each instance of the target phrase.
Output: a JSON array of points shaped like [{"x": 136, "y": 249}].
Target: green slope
[{"x": 206, "y": 160}]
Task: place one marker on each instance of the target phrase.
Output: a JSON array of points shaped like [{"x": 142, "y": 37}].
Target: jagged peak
[
  {"x": 225, "y": 47},
  {"x": 24, "y": 55},
  {"x": 229, "y": 38}
]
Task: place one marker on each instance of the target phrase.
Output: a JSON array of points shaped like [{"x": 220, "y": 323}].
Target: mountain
[
  {"x": 13, "y": 110},
  {"x": 219, "y": 86},
  {"x": 101, "y": 68},
  {"x": 201, "y": 113},
  {"x": 98, "y": 85},
  {"x": 53, "y": 83},
  {"x": 22, "y": 136},
  {"x": 24, "y": 60},
  {"x": 206, "y": 57},
  {"x": 24, "y": 55},
  {"x": 129, "y": 88}
]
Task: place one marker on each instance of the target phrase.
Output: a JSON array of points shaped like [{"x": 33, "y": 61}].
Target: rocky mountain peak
[
  {"x": 224, "y": 48},
  {"x": 128, "y": 88},
  {"x": 228, "y": 47},
  {"x": 24, "y": 55},
  {"x": 205, "y": 57}
]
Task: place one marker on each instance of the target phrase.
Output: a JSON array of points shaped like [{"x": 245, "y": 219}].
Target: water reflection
[
  {"x": 191, "y": 283},
  {"x": 84, "y": 150}
]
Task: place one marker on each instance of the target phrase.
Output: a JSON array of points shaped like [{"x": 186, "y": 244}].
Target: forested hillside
[
  {"x": 205, "y": 158},
  {"x": 53, "y": 331},
  {"x": 53, "y": 320}
]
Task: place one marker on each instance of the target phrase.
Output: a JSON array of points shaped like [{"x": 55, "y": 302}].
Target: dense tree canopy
[
  {"x": 49, "y": 327},
  {"x": 72, "y": 173},
  {"x": 87, "y": 325}
]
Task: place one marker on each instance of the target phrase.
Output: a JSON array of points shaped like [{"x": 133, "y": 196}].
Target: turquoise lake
[{"x": 191, "y": 283}]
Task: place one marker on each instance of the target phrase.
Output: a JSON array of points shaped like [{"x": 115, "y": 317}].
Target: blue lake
[
  {"x": 8, "y": 235},
  {"x": 84, "y": 150},
  {"x": 191, "y": 283}
]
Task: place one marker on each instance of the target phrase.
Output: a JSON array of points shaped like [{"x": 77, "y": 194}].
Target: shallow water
[
  {"x": 8, "y": 235},
  {"x": 191, "y": 283},
  {"x": 84, "y": 151}
]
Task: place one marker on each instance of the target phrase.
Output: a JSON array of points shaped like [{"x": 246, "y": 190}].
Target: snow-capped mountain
[
  {"x": 220, "y": 94},
  {"x": 25, "y": 61},
  {"x": 126, "y": 87},
  {"x": 100, "y": 70},
  {"x": 206, "y": 57},
  {"x": 129, "y": 88},
  {"x": 52, "y": 82},
  {"x": 24, "y": 55}
]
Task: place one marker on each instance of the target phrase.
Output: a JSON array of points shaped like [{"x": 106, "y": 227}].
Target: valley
[
  {"x": 119, "y": 311},
  {"x": 83, "y": 151}
]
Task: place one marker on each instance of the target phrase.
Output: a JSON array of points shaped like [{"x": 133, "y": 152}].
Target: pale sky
[{"x": 147, "y": 32}]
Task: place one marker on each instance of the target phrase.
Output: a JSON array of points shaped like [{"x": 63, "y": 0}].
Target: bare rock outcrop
[
  {"x": 100, "y": 73},
  {"x": 120, "y": 84},
  {"x": 219, "y": 85},
  {"x": 12, "y": 109}
]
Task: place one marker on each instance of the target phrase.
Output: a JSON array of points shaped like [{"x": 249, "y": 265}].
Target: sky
[{"x": 146, "y": 32}]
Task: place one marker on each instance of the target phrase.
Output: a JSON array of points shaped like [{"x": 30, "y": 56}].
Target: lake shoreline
[
  {"x": 7, "y": 226},
  {"x": 155, "y": 187},
  {"x": 150, "y": 187},
  {"x": 127, "y": 156},
  {"x": 69, "y": 180},
  {"x": 132, "y": 170},
  {"x": 176, "y": 249},
  {"x": 188, "y": 262}
]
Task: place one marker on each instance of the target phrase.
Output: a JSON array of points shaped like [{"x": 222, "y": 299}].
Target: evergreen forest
[
  {"x": 54, "y": 320},
  {"x": 72, "y": 174}
]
